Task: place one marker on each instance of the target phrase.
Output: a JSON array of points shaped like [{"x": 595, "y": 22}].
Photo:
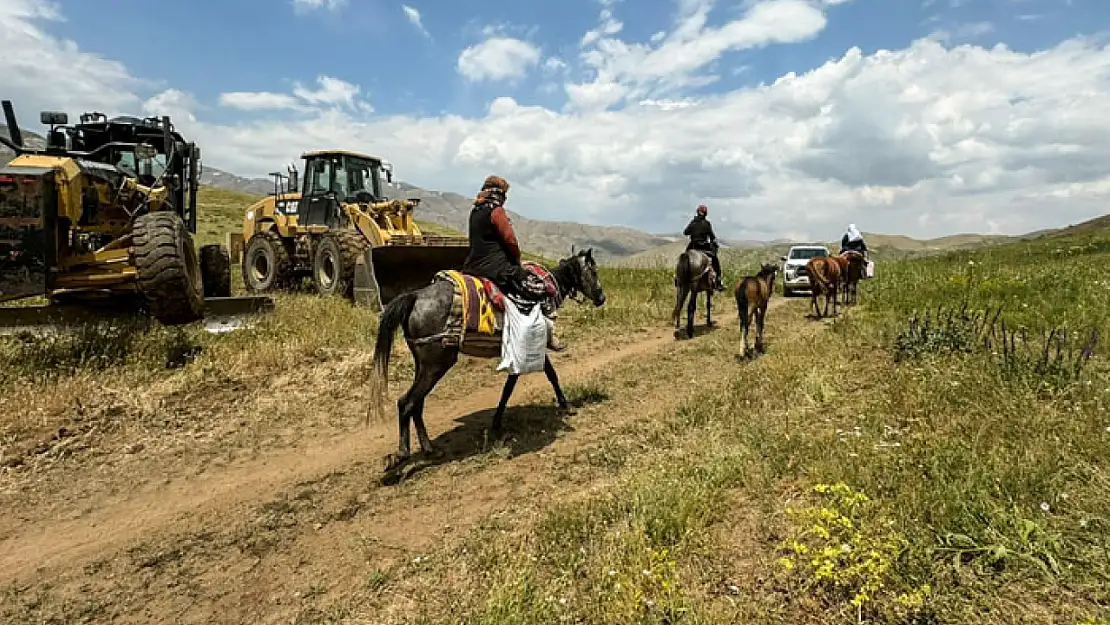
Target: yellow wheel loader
[
  {"x": 102, "y": 220},
  {"x": 340, "y": 231}
]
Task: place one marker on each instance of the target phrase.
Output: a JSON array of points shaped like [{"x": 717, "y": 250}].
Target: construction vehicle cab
[
  {"x": 106, "y": 213},
  {"x": 341, "y": 231}
]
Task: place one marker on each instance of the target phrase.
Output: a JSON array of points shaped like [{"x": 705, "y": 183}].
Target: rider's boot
[{"x": 553, "y": 343}]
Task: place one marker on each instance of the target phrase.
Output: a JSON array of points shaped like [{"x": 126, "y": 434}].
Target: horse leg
[
  {"x": 410, "y": 408},
  {"x": 709, "y": 308},
  {"x": 404, "y": 419},
  {"x": 744, "y": 321},
  {"x": 506, "y": 393},
  {"x": 553, "y": 378},
  {"x": 680, "y": 297},
  {"x": 690, "y": 308},
  {"x": 760, "y": 316},
  {"x": 433, "y": 374}
]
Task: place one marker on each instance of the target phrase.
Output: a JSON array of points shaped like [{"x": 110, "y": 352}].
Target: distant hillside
[
  {"x": 1098, "y": 224},
  {"x": 882, "y": 246},
  {"x": 547, "y": 238},
  {"x": 30, "y": 139},
  {"x": 553, "y": 239}
]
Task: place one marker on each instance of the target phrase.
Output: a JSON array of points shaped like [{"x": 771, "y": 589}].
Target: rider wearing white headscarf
[{"x": 853, "y": 240}]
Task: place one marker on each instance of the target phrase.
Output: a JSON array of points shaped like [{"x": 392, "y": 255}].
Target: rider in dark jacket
[
  {"x": 494, "y": 251},
  {"x": 702, "y": 238}
]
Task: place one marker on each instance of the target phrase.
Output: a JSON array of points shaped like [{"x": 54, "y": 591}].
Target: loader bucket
[{"x": 389, "y": 270}]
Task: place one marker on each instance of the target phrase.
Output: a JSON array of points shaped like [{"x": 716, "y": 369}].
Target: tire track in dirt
[
  {"x": 216, "y": 494},
  {"x": 398, "y": 523}
]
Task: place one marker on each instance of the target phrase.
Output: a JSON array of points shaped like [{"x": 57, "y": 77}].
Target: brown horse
[
  {"x": 853, "y": 267},
  {"x": 752, "y": 294},
  {"x": 824, "y": 279}
]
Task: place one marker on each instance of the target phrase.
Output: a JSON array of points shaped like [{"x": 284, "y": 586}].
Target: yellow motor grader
[
  {"x": 102, "y": 220},
  {"x": 342, "y": 232}
]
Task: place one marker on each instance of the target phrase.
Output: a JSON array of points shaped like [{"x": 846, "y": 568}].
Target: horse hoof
[{"x": 394, "y": 462}]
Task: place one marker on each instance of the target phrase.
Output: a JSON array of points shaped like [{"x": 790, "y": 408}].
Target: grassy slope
[
  {"x": 883, "y": 247},
  {"x": 988, "y": 490},
  {"x": 986, "y": 486}
]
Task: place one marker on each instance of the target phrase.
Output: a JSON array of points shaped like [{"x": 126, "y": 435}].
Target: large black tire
[
  {"x": 169, "y": 271},
  {"x": 215, "y": 270},
  {"x": 333, "y": 265},
  {"x": 266, "y": 263}
]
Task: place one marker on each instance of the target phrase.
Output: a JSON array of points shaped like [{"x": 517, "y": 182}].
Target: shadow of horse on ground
[
  {"x": 528, "y": 429},
  {"x": 702, "y": 330}
]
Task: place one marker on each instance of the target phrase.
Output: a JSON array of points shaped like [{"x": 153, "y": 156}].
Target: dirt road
[{"x": 245, "y": 542}]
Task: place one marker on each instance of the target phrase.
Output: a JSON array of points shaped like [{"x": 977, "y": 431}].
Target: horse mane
[{"x": 567, "y": 275}]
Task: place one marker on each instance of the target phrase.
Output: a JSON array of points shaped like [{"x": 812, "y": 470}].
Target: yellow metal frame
[
  {"x": 111, "y": 267},
  {"x": 382, "y": 223}
]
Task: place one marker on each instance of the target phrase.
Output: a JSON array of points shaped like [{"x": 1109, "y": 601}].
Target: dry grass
[
  {"x": 985, "y": 495},
  {"x": 986, "y": 492}
]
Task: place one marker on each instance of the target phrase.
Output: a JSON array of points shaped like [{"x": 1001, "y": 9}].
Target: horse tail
[
  {"x": 682, "y": 276},
  {"x": 742, "y": 303},
  {"x": 819, "y": 277},
  {"x": 392, "y": 317},
  {"x": 685, "y": 270}
]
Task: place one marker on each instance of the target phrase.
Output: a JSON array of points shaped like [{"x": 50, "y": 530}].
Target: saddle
[{"x": 477, "y": 315}]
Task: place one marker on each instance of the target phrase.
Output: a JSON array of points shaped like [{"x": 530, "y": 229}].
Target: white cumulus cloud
[
  {"x": 498, "y": 58},
  {"x": 329, "y": 92},
  {"x": 413, "y": 16},
  {"x": 927, "y": 140},
  {"x": 302, "y": 6}
]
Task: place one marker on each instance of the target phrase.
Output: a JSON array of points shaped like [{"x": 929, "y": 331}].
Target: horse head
[
  {"x": 768, "y": 272},
  {"x": 580, "y": 271},
  {"x": 768, "y": 269}
]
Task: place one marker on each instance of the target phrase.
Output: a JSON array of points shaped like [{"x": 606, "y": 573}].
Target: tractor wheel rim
[
  {"x": 260, "y": 268},
  {"x": 327, "y": 271}
]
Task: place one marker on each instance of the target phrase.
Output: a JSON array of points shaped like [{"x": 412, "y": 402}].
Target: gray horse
[
  {"x": 422, "y": 316},
  {"x": 692, "y": 276}
]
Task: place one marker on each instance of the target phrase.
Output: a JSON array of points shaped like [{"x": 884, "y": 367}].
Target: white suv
[{"x": 794, "y": 267}]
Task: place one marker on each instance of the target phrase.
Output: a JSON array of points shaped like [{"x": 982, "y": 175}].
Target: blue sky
[
  {"x": 264, "y": 45},
  {"x": 981, "y": 115}
]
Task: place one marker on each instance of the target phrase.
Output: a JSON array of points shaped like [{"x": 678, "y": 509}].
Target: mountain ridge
[
  {"x": 618, "y": 245},
  {"x": 450, "y": 209}
]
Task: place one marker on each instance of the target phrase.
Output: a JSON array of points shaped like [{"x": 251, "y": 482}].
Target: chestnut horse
[
  {"x": 752, "y": 294},
  {"x": 852, "y": 269},
  {"x": 824, "y": 279}
]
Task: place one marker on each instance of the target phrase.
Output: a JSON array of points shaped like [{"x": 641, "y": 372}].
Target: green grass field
[
  {"x": 829, "y": 483},
  {"x": 866, "y": 469}
]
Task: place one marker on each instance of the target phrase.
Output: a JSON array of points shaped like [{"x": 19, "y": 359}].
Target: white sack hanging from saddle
[
  {"x": 869, "y": 272},
  {"x": 523, "y": 340}
]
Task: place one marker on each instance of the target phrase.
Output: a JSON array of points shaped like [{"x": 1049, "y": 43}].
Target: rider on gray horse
[
  {"x": 495, "y": 253},
  {"x": 702, "y": 238}
]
